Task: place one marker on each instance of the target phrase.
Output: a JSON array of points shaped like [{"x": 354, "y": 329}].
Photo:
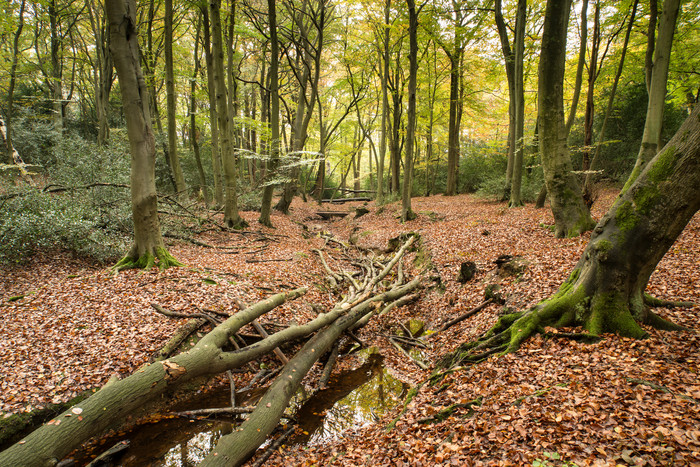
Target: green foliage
[
  {"x": 94, "y": 222},
  {"x": 532, "y": 183}
]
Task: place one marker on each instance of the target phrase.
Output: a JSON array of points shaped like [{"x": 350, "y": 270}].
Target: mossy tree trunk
[
  {"x": 148, "y": 242},
  {"x": 571, "y": 215},
  {"x": 605, "y": 291}
]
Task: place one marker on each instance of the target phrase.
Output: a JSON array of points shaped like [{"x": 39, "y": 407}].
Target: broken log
[
  {"x": 119, "y": 399},
  {"x": 326, "y": 215},
  {"x": 110, "y": 405},
  {"x": 345, "y": 200}
]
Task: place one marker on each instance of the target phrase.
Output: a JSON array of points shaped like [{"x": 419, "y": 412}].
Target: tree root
[
  {"x": 445, "y": 413},
  {"x": 147, "y": 261},
  {"x": 655, "y": 302},
  {"x": 597, "y": 313}
]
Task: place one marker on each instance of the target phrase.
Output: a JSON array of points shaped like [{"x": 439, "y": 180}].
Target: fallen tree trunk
[
  {"x": 236, "y": 448},
  {"x": 119, "y": 400}
]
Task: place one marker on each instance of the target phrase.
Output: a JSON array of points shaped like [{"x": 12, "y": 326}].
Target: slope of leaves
[
  {"x": 555, "y": 401},
  {"x": 618, "y": 401}
]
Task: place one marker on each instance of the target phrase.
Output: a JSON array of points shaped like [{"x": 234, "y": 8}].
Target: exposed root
[
  {"x": 655, "y": 302},
  {"x": 147, "y": 261},
  {"x": 599, "y": 313}
]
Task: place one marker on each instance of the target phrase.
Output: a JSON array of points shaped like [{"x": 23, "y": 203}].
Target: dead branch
[
  {"x": 464, "y": 316},
  {"x": 420, "y": 364},
  {"x": 216, "y": 411}
]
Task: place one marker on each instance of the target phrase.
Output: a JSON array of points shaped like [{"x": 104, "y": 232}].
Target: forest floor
[{"x": 67, "y": 325}]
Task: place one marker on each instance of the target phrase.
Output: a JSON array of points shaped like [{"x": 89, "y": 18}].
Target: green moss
[
  {"x": 16, "y": 426},
  {"x": 661, "y": 170},
  {"x": 610, "y": 313},
  {"x": 626, "y": 218},
  {"x": 568, "y": 284},
  {"x": 583, "y": 224},
  {"x": 662, "y": 166},
  {"x": 604, "y": 246},
  {"x": 631, "y": 179}
]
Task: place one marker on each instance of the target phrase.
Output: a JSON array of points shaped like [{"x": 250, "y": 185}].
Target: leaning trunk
[{"x": 605, "y": 291}]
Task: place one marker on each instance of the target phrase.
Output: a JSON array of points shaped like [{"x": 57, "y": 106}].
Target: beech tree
[
  {"x": 605, "y": 291},
  {"x": 148, "y": 242},
  {"x": 571, "y": 215}
]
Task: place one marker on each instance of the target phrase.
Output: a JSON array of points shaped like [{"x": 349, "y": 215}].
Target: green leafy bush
[{"x": 69, "y": 213}]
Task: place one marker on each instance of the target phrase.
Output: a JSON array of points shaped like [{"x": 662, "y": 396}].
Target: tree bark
[
  {"x": 588, "y": 184},
  {"x": 509, "y": 60},
  {"x": 148, "y": 242},
  {"x": 9, "y": 114},
  {"x": 519, "y": 96},
  {"x": 385, "y": 104},
  {"x": 407, "y": 213},
  {"x": 571, "y": 215},
  {"x": 605, "y": 291},
  {"x": 266, "y": 205},
  {"x": 175, "y": 167},
  {"x": 194, "y": 131},
  {"x": 590, "y": 101},
  {"x": 213, "y": 123},
  {"x": 232, "y": 218},
  {"x": 651, "y": 139},
  {"x": 579, "y": 67}
]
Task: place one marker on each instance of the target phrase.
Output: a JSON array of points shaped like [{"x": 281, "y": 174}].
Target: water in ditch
[{"x": 352, "y": 399}]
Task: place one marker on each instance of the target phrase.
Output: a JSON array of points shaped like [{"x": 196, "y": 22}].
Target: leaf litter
[{"x": 555, "y": 401}]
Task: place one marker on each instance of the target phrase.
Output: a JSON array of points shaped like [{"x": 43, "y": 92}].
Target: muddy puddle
[{"x": 352, "y": 399}]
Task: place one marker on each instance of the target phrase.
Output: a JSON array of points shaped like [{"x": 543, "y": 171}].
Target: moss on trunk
[{"x": 605, "y": 291}]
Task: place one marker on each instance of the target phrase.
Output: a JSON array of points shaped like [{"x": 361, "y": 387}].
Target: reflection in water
[{"x": 352, "y": 399}]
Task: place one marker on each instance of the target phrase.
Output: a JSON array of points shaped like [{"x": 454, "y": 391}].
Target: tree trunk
[
  {"x": 194, "y": 132},
  {"x": 180, "y": 188},
  {"x": 148, "y": 242},
  {"x": 231, "y": 216},
  {"x": 56, "y": 84},
  {"x": 651, "y": 139},
  {"x": 453, "y": 130},
  {"x": 274, "y": 116},
  {"x": 311, "y": 60},
  {"x": 590, "y": 101},
  {"x": 571, "y": 215},
  {"x": 605, "y": 291},
  {"x": 407, "y": 213},
  {"x": 588, "y": 184},
  {"x": 211, "y": 85},
  {"x": 9, "y": 146},
  {"x": 509, "y": 60},
  {"x": 579, "y": 67},
  {"x": 519, "y": 96},
  {"x": 385, "y": 105}
]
